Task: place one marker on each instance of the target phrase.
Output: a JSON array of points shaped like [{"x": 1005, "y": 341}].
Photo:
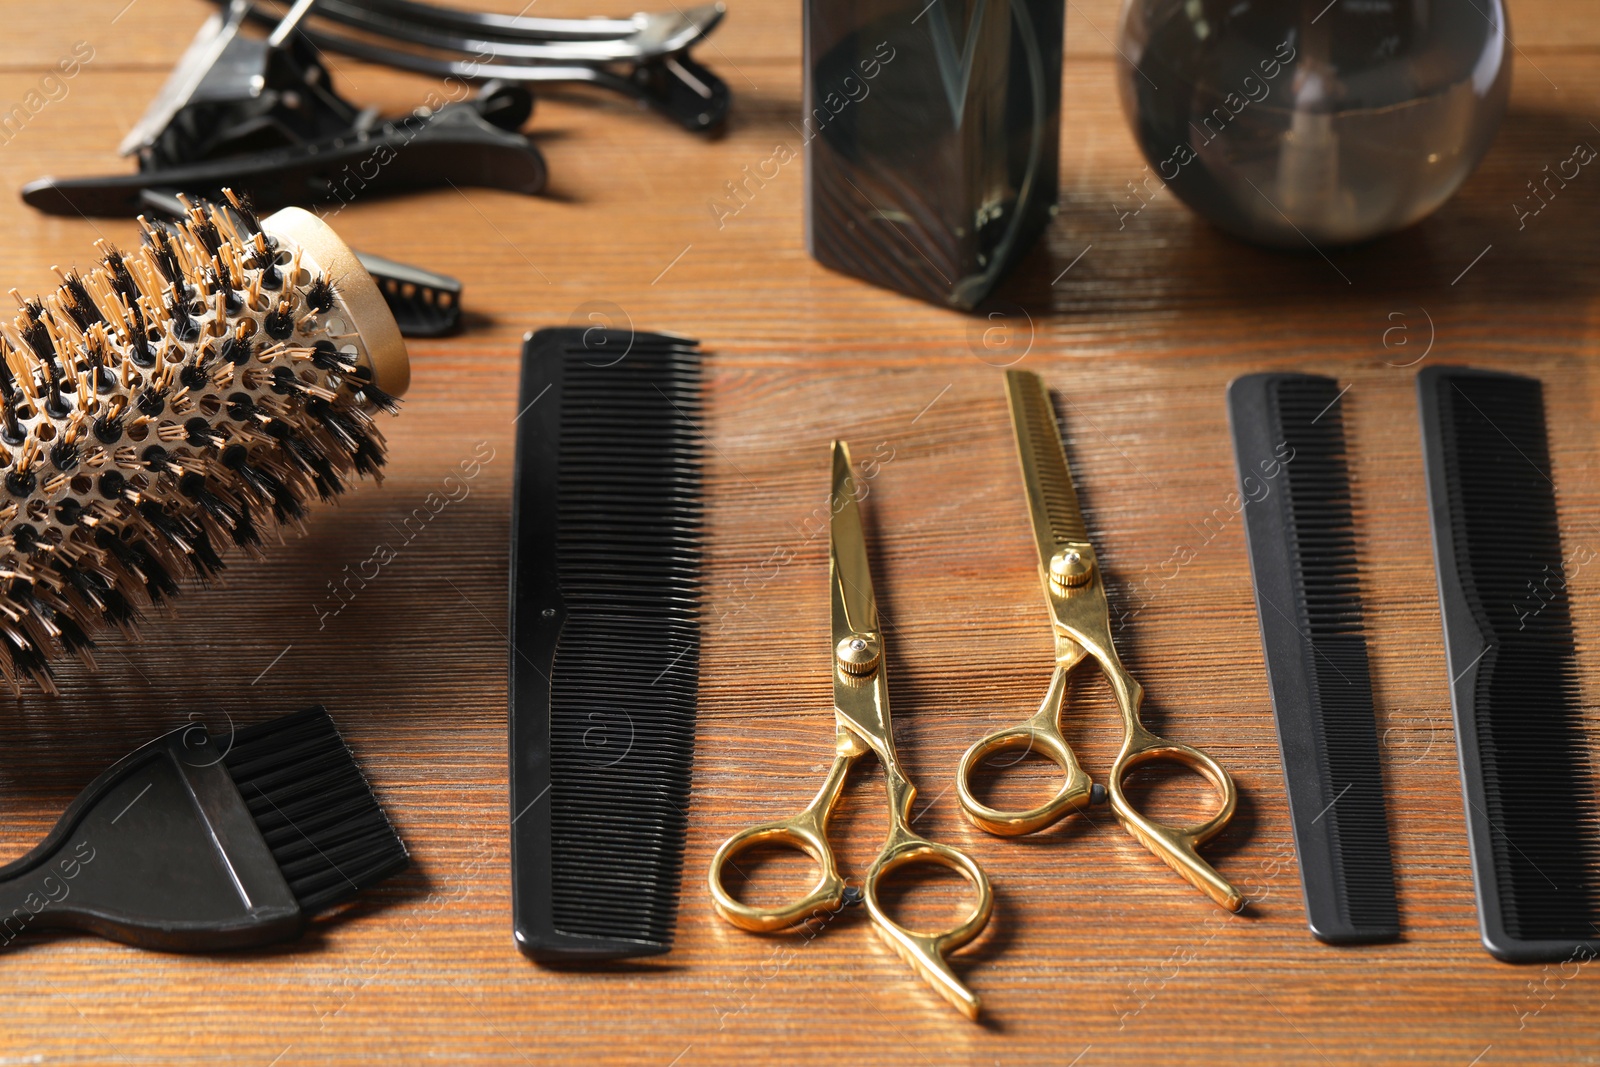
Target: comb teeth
[
  {"x": 1503, "y": 587},
  {"x": 316, "y": 811},
  {"x": 627, "y": 666},
  {"x": 624, "y": 678},
  {"x": 1317, "y": 483},
  {"x": 1289, "y": 437}
]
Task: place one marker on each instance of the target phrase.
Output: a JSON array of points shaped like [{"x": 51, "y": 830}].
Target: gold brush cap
[{"x": 372, "y": 328}]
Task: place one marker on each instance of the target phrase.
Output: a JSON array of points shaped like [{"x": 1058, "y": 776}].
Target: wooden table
[{"x": 1097, "y": 953}]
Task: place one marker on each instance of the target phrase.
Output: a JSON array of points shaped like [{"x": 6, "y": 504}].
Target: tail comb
[{"x": 1288, "y": 434}]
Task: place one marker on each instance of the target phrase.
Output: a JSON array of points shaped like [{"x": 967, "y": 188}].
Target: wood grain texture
[{"x": 1096, "y": 951}]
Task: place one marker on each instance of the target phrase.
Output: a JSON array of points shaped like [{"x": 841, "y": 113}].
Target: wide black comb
[
  {"x": 1294, "y": 484},
  {"x": 1532, "y": 817},
  {"x": 605, "y": 644}
]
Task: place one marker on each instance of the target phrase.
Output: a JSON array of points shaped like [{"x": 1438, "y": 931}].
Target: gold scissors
[
  {"x": 1075, "y": 591},
  {"x": 861, "y": 725}
]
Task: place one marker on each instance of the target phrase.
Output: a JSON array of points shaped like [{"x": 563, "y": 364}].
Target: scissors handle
[
  {"x": 928, "y": 951},
  {"x": 1176, "y": 845},
  {"x": 1042, "y": 734},
  {"x": 808, "y": 832}
]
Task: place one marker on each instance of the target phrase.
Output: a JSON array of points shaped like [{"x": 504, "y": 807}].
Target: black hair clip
[{"x": 262, "y": 116}]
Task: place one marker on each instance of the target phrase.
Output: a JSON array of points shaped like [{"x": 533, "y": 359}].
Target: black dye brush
[
  {"x": 605, "y": 643},
  {"x": 195, "y": 843},
  {"x": 1288, "y": 439},
  {"x": 1532, "y": 818}
]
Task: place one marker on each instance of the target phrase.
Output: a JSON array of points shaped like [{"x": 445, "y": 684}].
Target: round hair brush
[{"x": 171, "y": 402}]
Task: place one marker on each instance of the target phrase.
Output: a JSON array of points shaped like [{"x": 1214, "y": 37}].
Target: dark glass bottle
[
  {"x": 1329, "y": 121},
  {"x": 931, "y": 133}
]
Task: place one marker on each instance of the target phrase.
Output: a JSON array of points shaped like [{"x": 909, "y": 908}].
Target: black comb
[
  {"x": 605, "y": 643},
  {"x": 195, "y": 843},
  {"x": 1530, "y": 793},
  {"x": 1294, "y": 484}
]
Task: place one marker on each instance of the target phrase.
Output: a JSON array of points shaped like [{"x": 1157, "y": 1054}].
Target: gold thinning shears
[
  {"x": 1081, "y": 620},
  {"x": 861, "y": 725}
]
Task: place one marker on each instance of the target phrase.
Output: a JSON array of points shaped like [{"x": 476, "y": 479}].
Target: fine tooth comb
[
  {"x": 1288, "y": 440},
  {"x": 196, "y": 843},
  {"x": 605, "y": 581},
  {"x": 172, "y": 401},
  {"x": 1532, "y": 818}
]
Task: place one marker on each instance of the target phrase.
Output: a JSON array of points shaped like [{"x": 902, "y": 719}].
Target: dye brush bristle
[
  {"x": 198, "y": 842},
  {"x": 1289, "y": 445},
  {"x": 605, "y": 639},
  {"x": 1532, "y": 818},
  {"x": 171, "y": 403}
]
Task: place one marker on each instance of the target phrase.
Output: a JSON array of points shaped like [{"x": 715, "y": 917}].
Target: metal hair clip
[
  {"x": 645, "y": 56},
  {"x": 262, "y": 115}
]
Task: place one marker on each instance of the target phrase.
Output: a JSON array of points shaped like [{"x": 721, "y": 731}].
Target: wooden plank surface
[{"x": 1097, "y": 954}]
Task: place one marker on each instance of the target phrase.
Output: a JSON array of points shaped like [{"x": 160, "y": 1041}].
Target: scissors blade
[
  {"x": 1052, "y": 499},
  {"x": 855, "y": 609},
  {"x": 861, "y": 700}
]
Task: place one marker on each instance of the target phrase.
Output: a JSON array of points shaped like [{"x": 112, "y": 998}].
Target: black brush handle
[
  {"x": 1264, "y": 457},
  {"x": 160, "y": 851}
]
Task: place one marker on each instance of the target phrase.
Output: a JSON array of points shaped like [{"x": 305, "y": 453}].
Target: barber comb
[{"x": 172, "y": 402}]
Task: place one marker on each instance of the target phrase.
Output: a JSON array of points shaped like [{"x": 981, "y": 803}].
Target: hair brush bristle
[{"x": 156, "y": 409}]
